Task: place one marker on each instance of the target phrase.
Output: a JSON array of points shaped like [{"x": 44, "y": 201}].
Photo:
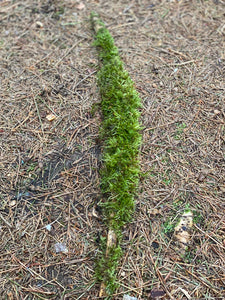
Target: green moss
[
  {"x": 120, "y": 132},
  {"x": 106, "y": 269}
]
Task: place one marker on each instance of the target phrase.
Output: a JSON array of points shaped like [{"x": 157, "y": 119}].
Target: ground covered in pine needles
[{"x": 50, "y": 150}]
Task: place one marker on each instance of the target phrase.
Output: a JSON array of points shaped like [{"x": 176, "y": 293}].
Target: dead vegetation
[{"x": 174, "y": 52}]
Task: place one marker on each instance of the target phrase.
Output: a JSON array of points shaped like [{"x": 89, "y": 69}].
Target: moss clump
[
  {"x": 120, "y": 131},
  {"x": 106, "y": 267}
]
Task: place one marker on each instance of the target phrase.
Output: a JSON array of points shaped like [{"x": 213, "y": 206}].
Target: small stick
[
  {"x": 89, "y": 75},
  {"x": 111, "y": 237},
  {"x": 111, "y": 241},
  {"x": 160, "y": 126},
  {"x": 24, "y": 121},
  {"x": 39, "y": 117}
]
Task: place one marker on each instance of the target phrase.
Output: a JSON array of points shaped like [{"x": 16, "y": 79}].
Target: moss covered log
[{"x": 120, "y": 104}]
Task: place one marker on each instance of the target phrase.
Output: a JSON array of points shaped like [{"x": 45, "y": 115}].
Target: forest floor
[{"x": 50, "y": 151}]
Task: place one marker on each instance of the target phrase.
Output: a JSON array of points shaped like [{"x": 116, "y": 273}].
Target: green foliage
[
  {"x": 120, "y": 132},
  {"x": 168, "y": 227},
  {"x": 198, "y": 217}
]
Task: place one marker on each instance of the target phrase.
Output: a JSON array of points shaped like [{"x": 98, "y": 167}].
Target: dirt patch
[{"x": 174, "y": 52}]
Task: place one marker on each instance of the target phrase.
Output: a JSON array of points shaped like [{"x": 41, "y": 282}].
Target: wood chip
[{"x": 50, "y": 117}]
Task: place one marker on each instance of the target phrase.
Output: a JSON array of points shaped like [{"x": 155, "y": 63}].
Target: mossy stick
[{"x": 120, "y": 131}]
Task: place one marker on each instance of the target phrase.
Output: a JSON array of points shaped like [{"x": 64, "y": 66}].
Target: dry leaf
[
  {"x": 50, "y": 117},
  {"x": 154, "y": 211},
  {"x": 182, "y": 229},
  {"x": 155, "y": 293},
  {"x": 102, "y": 292}
]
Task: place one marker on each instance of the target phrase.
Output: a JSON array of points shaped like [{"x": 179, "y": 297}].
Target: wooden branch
[{"x": 111, "y": 241}]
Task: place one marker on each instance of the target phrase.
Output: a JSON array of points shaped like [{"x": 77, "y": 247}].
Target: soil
[{"x": 50, "y": 150}]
